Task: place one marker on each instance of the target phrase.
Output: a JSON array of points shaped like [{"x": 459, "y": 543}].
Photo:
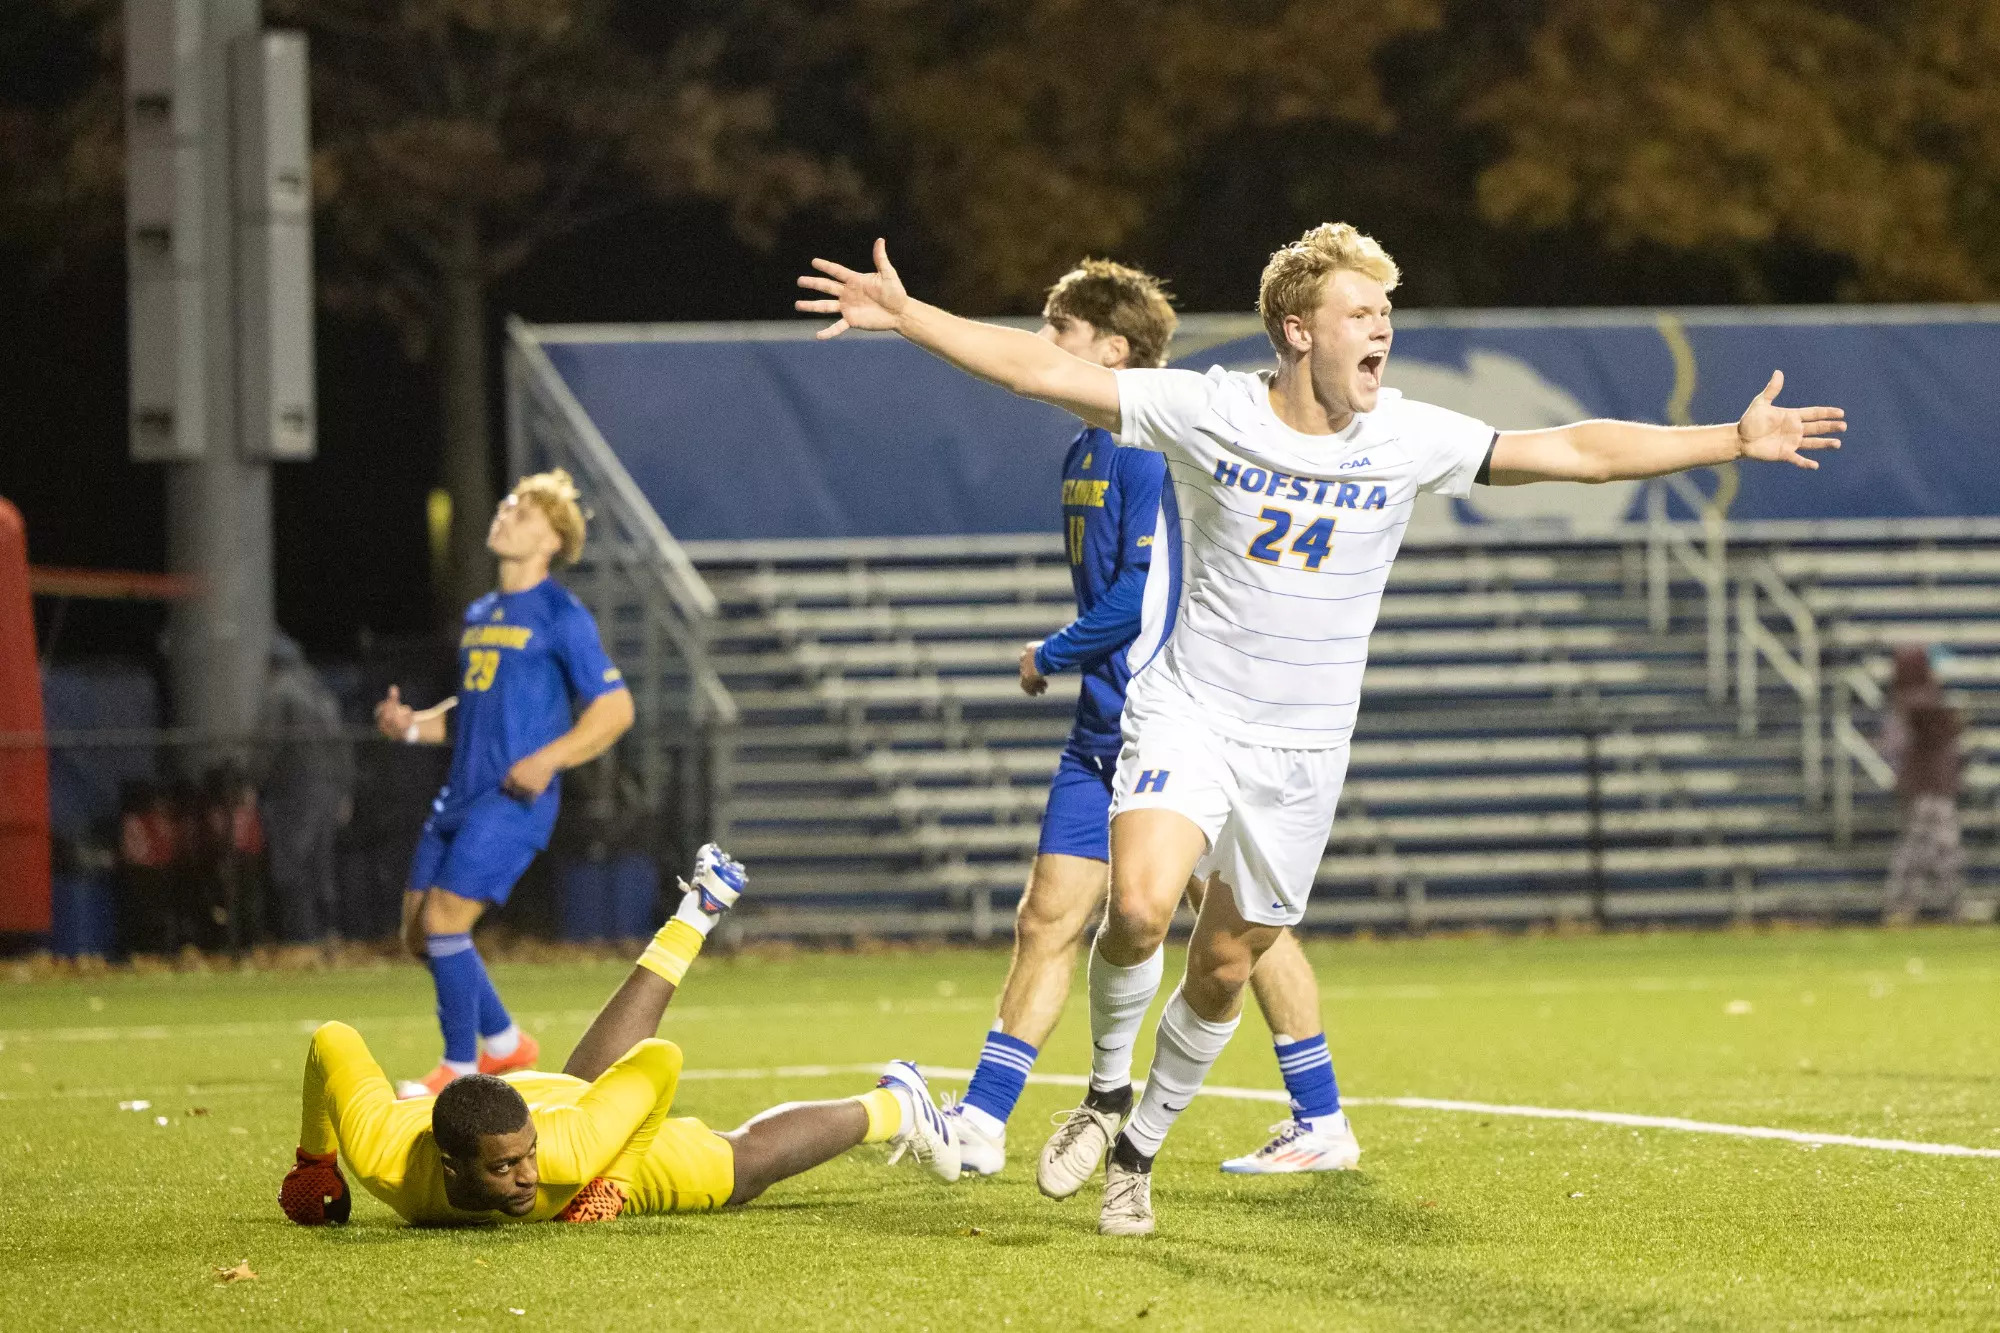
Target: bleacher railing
[
  {"x": 1798, "y": 665},
  {"x": 1668, "y": 544}
]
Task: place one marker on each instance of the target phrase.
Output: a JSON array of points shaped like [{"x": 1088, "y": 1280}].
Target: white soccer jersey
[{"x": 1278, "y": 545}]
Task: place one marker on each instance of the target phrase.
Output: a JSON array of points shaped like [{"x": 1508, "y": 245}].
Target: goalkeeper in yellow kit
[{"x": 595, "y": 1140}]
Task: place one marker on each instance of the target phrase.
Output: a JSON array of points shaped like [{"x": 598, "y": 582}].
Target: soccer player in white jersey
[{"x": 1290, "y": 489}]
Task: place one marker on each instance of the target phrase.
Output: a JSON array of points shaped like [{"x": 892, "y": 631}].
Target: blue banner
[{"x": 775, "y": 437}]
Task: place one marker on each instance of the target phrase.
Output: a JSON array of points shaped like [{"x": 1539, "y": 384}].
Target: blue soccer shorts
[
  {"x": 1077, "y": 819},
  {"x": 481, "y": 858}
]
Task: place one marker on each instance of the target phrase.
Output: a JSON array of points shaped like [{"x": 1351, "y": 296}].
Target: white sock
[
  {"x": 503, "y": 1044},
  {"x": 982, "y": 1121},
  {"x": 1119, "y": 998},
  {"x": 1184, "y": 1050},
  {"x": 461, "y": 1067}
]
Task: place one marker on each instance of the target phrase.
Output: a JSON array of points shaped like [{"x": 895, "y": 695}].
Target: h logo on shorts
[{"x": 1151, "y": 779}]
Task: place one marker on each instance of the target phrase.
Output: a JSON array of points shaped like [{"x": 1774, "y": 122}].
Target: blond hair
[
  {"x": 1294, "y": 281},
  {"x": 1114, "y": 298},
  {"x": 557, "y": 497}
]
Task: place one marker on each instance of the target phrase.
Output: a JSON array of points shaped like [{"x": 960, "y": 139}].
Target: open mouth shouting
[{"x": 1370, "y": 370}]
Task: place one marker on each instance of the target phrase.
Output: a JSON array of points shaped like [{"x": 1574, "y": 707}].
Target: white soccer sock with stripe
[
  {"x": 1184, "y": 1050},
  {"x": 1119, "y": 998}
]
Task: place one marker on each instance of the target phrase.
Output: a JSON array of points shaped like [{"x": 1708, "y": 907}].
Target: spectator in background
[
  {"x": 307, "y": 784},
  {"x": 1920, "y": 740},
  {"x": 146, "y": 895},
  {"x": 233, "y": 859}
]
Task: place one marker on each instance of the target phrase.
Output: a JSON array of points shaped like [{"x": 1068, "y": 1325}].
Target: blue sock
[
  {"x": 493, "y": 1018},
  {"x": 1308, "y": 1071},
  {"x": 1001, "y": 1074},
  {"x": 457, "y": 973}
]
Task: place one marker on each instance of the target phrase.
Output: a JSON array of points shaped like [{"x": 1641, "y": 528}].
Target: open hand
[
  {"x": 1033, "y": 682},
  {"x": 1776, "y": 434},
  {"x": 861, "y": 300},
  {"x": 393, "y": 717}
]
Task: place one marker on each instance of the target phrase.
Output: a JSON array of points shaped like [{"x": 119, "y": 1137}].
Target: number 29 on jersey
[{"x": 481, "y": 664}]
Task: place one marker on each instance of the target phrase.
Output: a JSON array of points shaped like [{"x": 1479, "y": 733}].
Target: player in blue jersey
[
  {"x": 537, "y": 695},
  {"x": 1117, "y": 317}
]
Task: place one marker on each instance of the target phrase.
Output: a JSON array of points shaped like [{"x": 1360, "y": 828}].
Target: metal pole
[{"x": 1594, "y": 819}]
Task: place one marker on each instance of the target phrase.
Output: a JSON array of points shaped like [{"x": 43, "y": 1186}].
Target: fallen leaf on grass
[
  {"x": 513, "y": 1310},
  {"x": 1427, "y": 1203},
  {"x": 971, "y": 1231},
  {"x": 197, "y": 1110},
  {"x": 240, "y": 1273},
  {"x": 1577, "y": 1195}
]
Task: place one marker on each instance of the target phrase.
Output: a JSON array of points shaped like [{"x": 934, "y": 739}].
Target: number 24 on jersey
[{"x": 1314, "y": 544}]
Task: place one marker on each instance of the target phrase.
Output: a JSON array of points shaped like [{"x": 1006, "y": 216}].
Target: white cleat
[
  {"x": 1128, "y": 1202},
  {"x": 979, "y": 1153},
  {"x": 1070, "y": 1157},
  {"x": 1327, "y": 1146},
  {"x": 718, "y": 877},
  {"x": 926, "y": 1135}
]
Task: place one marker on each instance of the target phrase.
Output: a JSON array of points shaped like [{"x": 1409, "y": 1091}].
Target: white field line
[
  {"x": 1620, "y": 1118},
  {"x": 1271, "y": 1095}
]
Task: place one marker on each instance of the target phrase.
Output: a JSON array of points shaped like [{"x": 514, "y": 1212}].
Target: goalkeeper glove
[{"x": 314, "y": 1192}]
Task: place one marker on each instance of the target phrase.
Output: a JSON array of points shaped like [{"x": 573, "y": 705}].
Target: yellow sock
[
  {"x": 672, "y": 950},
  {"x": 885, "y": 1115}
]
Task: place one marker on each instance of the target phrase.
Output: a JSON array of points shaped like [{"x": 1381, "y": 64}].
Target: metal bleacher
[
  {"x": 1531, "y": 747},
  {"x": 1666, "y": 723}
]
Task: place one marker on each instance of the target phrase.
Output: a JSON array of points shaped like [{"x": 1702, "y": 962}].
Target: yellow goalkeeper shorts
[{"x": 689, "y": 1169}]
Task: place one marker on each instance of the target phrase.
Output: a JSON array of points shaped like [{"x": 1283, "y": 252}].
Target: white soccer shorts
[{"x": 1265, "y": 811}]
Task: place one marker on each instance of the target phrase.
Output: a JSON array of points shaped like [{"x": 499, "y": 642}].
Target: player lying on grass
[
  {"x": 1118, "y": 316},
  {"x": 595, "y": 1140},
  {"x": 1290, "y": 492}
]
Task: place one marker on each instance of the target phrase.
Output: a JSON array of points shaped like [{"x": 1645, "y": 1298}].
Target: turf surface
[{"x": 109, "y": 1219}]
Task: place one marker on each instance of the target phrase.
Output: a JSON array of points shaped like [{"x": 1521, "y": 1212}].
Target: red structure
[{"x": 24, "y": 763}]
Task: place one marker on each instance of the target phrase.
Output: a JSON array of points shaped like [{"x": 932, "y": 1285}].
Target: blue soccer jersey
[
  {"x": 526, "y": 662},
  {"x": 1111, "y": 497}
]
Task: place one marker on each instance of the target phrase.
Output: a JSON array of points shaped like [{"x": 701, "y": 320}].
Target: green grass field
[{"x": 109, "y": 1219}]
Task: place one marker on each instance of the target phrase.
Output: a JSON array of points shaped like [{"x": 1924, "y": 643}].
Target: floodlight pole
[{"x": 220, "y": 305}]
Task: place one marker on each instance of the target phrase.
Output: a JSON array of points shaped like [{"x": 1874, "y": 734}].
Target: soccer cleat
[
  {"x": 314, "y": 1192},
  {"x": 524, "y": 1057},
  {"x": 599, "y": 1201},
  {"x": 1071, "y": 1155},
  {"x": 719, "y": 878},
  {"x": 430, "y": 1085},
  {"x": 1330, "y": 1146},
  {"x": 980, "y": 1153},
  {"x": 926, "y": 1134},
  {"x": 1128, "y": 1201}
]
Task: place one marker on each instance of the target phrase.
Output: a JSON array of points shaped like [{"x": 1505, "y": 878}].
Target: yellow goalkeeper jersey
[{"x": 616, "y": 1127}]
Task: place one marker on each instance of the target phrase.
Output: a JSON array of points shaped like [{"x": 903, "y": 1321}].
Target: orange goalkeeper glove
[
  {"x": 599, "y": 1201},
  {"x": 314, "y": 1192}
]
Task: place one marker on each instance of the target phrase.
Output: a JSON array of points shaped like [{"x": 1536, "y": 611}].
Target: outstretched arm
[
  {"x": 1014, "y": 359},
  {"x": 345, "y": 1103},
  {"x": 1628, "y": 450}
]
